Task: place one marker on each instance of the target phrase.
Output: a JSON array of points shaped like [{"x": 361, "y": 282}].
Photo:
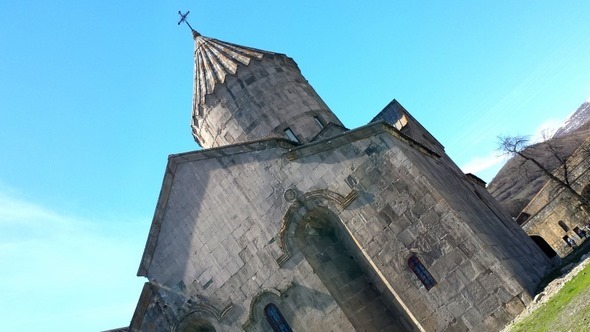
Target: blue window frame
[
  {"x": 276, "y": 319},
  {"x": 421, "y": 272}
]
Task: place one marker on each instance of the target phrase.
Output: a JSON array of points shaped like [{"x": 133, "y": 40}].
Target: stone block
[
  {"x": 472, "y": 318},
  {"x": 502, "y": 316},
  {"x": 418, "y": 209},
  {"x": 489, "y": 281},
  {"x": 444, "y": 266},
  {"x": 475, "y": 293},
  {"x": 488, "y": 306},
  {"x": 457, "y": 326},
  {"x": 471, "y": 269},
  {"x": 514, "y": 307},
  {"x": 502, "y": 295},
  {"x": 490, "y": 323},
  {"x": 458, "y": 305},
  {"x": 363, "y": 235},
  {"x": 407, "y": 238},
  {"x": 511, "y": 285},
  {"x": 525, "y": 297}
]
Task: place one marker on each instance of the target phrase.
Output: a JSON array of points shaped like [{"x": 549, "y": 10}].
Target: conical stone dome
[{"x": 243, "y": 94}]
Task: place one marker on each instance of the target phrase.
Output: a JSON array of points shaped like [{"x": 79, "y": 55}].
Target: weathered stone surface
[
  {"x": 334, "y": 254},
  {"x": 554, "y": 213}
]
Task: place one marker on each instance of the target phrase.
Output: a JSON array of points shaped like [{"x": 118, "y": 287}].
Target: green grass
[{"x": 568, "y": 310}]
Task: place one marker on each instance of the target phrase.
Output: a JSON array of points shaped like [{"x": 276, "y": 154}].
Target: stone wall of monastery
[{"x": 228, "y": 221}]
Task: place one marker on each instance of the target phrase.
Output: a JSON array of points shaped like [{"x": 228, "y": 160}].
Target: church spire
[
  {"x": 215, "y": 59},
  {"x": 237, "y": 100}
]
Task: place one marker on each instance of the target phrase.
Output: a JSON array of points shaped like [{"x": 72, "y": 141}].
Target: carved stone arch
[
  {"x": 307, "y": 202},
  {"x": 317, "y": 230},
  {"x": 260, "y": 300},
  {"x": 194, "y": 322},
  {"x": 202, "y": 316}
]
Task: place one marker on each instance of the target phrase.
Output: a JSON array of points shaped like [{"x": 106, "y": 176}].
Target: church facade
[{"x": 288, "y": 221}]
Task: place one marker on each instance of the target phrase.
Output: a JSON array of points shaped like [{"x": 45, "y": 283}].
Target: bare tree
[{"x": 562, "y": 175}]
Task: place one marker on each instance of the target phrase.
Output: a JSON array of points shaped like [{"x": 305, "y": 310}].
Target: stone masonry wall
[
  {"x": 220, "y": 234},
  {"x": 554, "y": 204},
  {"x": 559, "y": 205},
  {"x": 262, "y": 100}
]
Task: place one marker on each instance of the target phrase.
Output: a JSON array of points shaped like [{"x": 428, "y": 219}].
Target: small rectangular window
[
  {"x": 291, "y": 135},
  {"x": 563, "y": 226},
  {"x": 319, "y": 122}
]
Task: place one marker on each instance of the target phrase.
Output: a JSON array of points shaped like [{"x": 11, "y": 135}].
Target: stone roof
[{"x": 214, "y": 59}]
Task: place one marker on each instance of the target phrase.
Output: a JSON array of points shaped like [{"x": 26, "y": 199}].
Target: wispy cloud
[
  {"x": 546, "y": 130},
  {"x": 480, "y": 164},
  {"x": 495, "y": 159},
  {"x": 64, "y": 268}
]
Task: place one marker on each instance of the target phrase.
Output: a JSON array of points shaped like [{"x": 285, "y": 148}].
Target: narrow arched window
[
  {"x": 563, "y": 225},
  {"x": 276, "y": 319},
  {"x": 421, "y": 272}
]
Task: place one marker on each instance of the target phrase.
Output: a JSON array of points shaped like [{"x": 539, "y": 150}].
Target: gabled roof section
[
  {"x": 393, "y": 114},
  {"x": 397, "y": 116}
]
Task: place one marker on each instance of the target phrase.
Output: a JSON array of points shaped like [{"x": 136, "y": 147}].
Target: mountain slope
[{"x": 575, "y": 121}]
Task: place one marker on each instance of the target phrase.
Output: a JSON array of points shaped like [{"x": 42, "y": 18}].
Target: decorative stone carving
[
  {"x": 270, "y": 292},
  {"x": 290, "y": 194},
  {"x": 331, "y": 198}
]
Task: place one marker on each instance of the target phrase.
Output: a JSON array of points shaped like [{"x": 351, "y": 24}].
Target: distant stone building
[
  {"x": 286, "y": 220},
  {"x": 554, "y": 214}
]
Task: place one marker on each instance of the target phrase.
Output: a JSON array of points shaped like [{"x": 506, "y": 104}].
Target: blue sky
[{"x": 95, "y": 95}]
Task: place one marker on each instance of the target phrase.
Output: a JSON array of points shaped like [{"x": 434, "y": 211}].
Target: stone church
[{"x": 288, "y": 221}]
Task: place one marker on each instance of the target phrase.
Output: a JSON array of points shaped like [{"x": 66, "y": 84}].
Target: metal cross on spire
[{"x": 183, "y": 19}]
